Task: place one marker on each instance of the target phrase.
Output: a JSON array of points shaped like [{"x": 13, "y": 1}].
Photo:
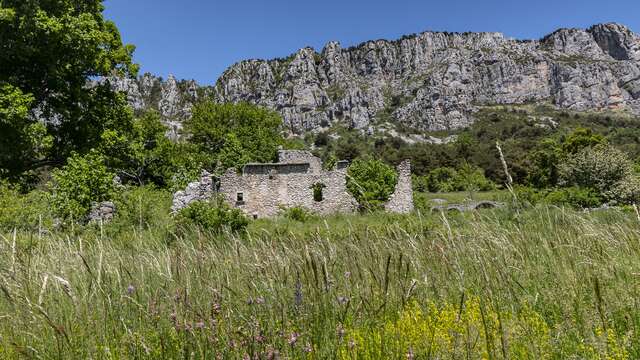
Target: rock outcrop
[
  {"x": 428, "y": 81},
  {"x": 173, "y": 99},
  {"x": 436, "y": 81}
]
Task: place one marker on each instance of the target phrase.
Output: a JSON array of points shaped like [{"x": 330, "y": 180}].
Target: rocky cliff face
[
  {"x": 436, "y": 81},
  {"x": 173, "y": 99},
  {"x": 429, "y": 81}
]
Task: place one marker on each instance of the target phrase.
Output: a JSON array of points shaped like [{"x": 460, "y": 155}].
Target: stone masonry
[
  {"x": 296, "y": 180},
  {"x": 401, "y": 200}
]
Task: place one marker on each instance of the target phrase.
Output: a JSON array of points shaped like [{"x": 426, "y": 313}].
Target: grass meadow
[{"x": 541, "y": 283}]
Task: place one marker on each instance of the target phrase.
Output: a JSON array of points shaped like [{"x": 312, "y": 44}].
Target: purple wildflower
[{"x": 293, "y": 338}]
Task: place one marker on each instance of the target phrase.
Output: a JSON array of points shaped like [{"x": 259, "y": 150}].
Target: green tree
[
  {"x": 22, "y": 141},
  {"x": 82, "y": 181},
  {"x": 604, "y": 169},
  {"x": 371, "y": 182},
  {"x": 249, "y": 132},
  {"x": 49, "y": 53},
  {"x": 145, "y": 155},
  {"x": 581, "y": 138}
]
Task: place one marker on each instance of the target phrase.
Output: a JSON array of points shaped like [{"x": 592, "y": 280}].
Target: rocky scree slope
[{"x": 428, "y": 81}]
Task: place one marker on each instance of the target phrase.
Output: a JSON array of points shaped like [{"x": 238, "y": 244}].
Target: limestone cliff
[{"x": 430, "y": 81}]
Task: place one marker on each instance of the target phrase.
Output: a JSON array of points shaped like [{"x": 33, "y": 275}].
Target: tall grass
[{"x": 544, "y": 283}]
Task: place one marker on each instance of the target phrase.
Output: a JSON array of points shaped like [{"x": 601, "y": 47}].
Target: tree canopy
[
  {"x": 235, "y": 133},
  {"x": 50, "y": 53}
]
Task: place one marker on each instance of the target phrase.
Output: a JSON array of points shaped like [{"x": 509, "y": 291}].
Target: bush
[
  {"x": 84, "y": 180},
  {"x": 442, "y": 179},
  {"x": 297, "y": 214},
  {"x": 576, "y": 197},
  {"x": 446, "y": 179},
  {"x": 214, "y": 216},
  {"x": 143, "y": 207},
  {"x": 371, "y": 182},
  {"x": 606, "y": 170},
  {"x": 24, "y": 211}
]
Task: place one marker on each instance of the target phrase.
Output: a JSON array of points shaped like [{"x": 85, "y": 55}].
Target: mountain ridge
[{"x": 428, "y": 81}]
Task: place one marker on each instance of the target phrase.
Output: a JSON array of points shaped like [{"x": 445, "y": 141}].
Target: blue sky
[{"x": 199, "y": 39}]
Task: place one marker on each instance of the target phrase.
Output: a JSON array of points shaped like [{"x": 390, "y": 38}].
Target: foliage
[
  {"x": 19, "y": 211},
  {"x": 371, "y": 182},
  {"x": 142, "y": 207},
  {"x": 50, "y": 51},
  {"x": 84, "y": 180},
  {"x": 297, "y": 214},
  {"x": 22, "y": 141},
  {"x": 212, "y": 216},
  {"x": 145, "y": 155},
  {"x": 604, "y": 169},
  {"x": 234, "y": 134},
  {"x": 466, "y": 178}
]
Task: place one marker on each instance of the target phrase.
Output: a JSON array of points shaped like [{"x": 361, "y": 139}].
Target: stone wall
[
  {"x": 200, "y": 190},
  {"x": 262, "y": 196},
  {"x": 300, "y": 156},
  {"x": 265, "y": 190},
  {"x": 401, "y": 200}
]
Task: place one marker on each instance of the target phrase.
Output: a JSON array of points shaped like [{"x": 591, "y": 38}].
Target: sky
[{"x": 199, "y": 39}]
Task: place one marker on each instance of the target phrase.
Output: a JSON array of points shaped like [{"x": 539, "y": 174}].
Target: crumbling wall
[
  {"x": 264, "y": 190},
  {"x": 300, "y": 156},
  {"x": 267, "y": 195},
  {"x": 200, "y": 190},
  {"x": 401, "y": 200}
]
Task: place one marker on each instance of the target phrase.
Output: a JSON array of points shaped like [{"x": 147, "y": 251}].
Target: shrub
[
  {"x": 214, "y": 216},
  {"x": 24, "y": 211},
  {"x": 576, "y": 197},
  {"x": 143, "y": 207},
  {"x": 442, "y": 179},
  {"x": 371, "y": 182},
  {"x": 605, "y": 169},
  {"x": 297, "y": 214},
  {"x": 85, "y": 179}
]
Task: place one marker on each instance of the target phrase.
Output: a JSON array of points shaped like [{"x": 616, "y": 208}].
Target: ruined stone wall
[
  {"x": 268, "y": 195},
  {"x": 300, "y": 156},
  {"x": 267, "y": 189},
  {"x": 200, "y": 190},
  {"x": 401, "y": 200}
]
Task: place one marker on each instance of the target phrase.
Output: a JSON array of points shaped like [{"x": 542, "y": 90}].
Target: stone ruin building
[{"x": 298, "y": 179}]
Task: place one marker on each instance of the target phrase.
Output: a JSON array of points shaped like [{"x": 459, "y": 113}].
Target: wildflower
[
  {"x": 272, "y": 354},
  {"x": 215, "y": 308},
  {"x": 130, "y": 290},
  {"x": 293, "y": 338},
  {"x": 410, "y": 354},
  {"x": 352, "y": 344},
  {"x": 308, "y": 348}
]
